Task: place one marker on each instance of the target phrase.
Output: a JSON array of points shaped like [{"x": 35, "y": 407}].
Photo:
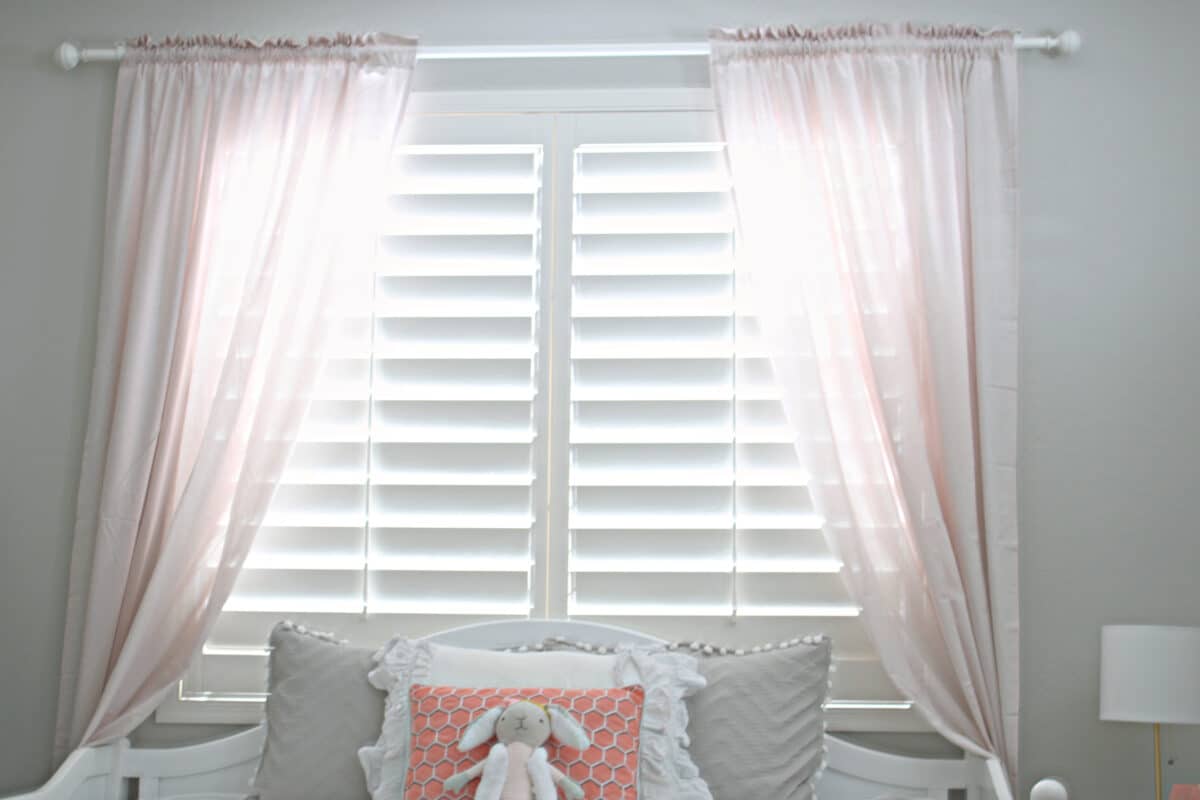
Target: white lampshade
[{"x": 1150, "y": 673}]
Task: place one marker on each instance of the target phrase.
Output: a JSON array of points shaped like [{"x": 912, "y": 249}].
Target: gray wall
[{"x": 1110, "y": 332}]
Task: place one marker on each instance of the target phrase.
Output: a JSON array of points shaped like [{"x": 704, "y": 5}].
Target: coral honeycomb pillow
[{"x": 606, "y": 770}]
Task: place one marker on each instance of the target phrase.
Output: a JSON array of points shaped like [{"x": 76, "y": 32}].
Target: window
[{"x": 552, "y": 405}]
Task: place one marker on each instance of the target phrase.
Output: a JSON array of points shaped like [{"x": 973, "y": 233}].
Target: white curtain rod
[{"x": 69, "y": 55}]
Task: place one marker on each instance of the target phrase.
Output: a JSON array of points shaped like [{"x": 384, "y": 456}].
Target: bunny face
[{"x": 524, "y": 722}]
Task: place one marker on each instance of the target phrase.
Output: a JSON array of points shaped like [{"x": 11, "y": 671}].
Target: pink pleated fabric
[
  {"x": 874, "y": 172},
  {"x": 245, "y": 189}
]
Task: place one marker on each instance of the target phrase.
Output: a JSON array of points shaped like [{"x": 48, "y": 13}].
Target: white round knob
[
  {"x": 1048, "y": 789},
  {"x": 67, "y": 55},
  {"x": 1068, "y": 43}
]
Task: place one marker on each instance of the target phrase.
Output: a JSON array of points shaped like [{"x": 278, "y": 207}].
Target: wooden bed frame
[{"x": 223, "y": 769}]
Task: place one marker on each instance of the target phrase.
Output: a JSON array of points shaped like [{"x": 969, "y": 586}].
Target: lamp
[{"x": 1150, "y": 673}]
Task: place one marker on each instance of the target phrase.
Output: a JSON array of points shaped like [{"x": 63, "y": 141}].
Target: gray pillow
[
  {"x": 758, "y": 728},
  {"x": 320, "y": 710}
]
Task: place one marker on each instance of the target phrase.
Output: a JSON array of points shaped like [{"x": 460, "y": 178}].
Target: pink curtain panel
[
  {"x": 874, "y": 174},
  {"x": 244, "y": 183}
]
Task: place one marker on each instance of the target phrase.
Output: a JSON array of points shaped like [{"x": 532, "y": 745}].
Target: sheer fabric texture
[
  {"x": 874, "y": 173},
  {"x": 245, "y": 184}
]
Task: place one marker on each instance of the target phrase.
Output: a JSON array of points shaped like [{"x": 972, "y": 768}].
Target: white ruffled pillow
[{"x": 666, "y": 770}]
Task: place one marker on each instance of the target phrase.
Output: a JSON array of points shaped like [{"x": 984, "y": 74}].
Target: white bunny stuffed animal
[{"x": 516, "y": 767}]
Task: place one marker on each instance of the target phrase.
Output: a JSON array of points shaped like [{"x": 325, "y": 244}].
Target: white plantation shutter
[
  {"x": 408, "y": 503},
  {"x": 688, "y": 512},
  {"x": 552, "y": 403}
]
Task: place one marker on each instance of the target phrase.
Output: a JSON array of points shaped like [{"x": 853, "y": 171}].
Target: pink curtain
[
  {"x": 245, "y": 185},
  {"x": 874, "y": 173}
]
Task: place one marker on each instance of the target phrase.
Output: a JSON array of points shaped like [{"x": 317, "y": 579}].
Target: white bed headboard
[
  {"x": 223, "y": 769},
  {"x": 852, "y": 772}
]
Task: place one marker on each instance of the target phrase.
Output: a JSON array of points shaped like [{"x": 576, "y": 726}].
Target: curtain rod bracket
[{"x": 69, "y": 55}]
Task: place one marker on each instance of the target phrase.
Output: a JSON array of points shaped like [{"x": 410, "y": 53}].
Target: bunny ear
[
  {"x": 564, "y": 728},
  {"x": 481, "y": 729}
]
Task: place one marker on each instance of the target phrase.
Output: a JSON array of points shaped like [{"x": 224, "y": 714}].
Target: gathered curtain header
[
  {"x": 371, "y": 49},
  {"x": 732, "y": 44}
]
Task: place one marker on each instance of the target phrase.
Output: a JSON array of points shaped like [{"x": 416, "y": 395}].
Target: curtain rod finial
[
  {"x": 66, "y": 55},
  {"x": 1067, "y": 43},
  {"x": 1048, "y": 789}
]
